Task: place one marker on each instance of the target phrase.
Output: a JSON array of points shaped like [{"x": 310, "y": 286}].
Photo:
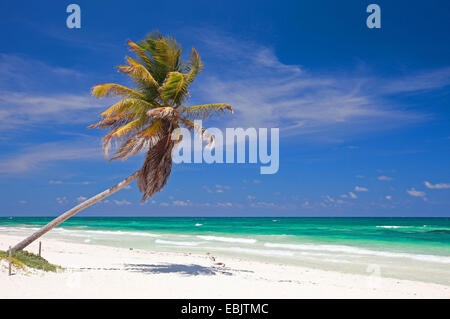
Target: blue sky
[{"x": 363, "y": 113}]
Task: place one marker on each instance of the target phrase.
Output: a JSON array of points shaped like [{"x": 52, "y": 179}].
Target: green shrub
[{"x": 22, "y": 258}]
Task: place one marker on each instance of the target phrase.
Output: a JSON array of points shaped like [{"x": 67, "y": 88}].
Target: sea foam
[
  {"x": 360, "y": 251},
  {"x": 176, "y": 243},
  {"x": 228, "y": 239}
]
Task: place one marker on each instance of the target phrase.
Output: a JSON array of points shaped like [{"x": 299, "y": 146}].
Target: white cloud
[
  {"x": 181, "y": 203},
  {"x": 415, "y": 193},
  {"x": 81, "y": 199},
  {"x": 225, "y": 204},
  {"x": 388, "y": 197},
  {"x": 56, "y": 182},
  {"x": 384, "y": 178},
  {"x": 217, "y": 188},
  {"x": 353, "y": 195},
  {"x": 268, "y": 93},
  {"x": 437, "y": 186},
  {"x": 24, "y": 100},
  {"x": 419, "y": 81},
  {"x": 121, "y": 202},
  {"x": 207, "y": 189},
  {"x": 23, "y": 202},
  {"x": 24, "y": 71},
  {"x": 306, "y": 204},
  {"x": 263, "y": 205},
  {"x": 61, "y": 200},
  {"x": 361, "y": 189},
  {"x": 37, "y": 156},
  {"x": 26, "y": 109},
  {"x": 223, "y": 186}
]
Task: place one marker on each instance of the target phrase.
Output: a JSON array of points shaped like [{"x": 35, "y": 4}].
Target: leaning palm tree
[{"x": 146, "y": 117}]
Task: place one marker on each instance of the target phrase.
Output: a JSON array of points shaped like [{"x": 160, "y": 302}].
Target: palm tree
[{"x": 145, "y": 118}]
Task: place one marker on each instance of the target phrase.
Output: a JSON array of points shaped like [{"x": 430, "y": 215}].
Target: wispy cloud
[
  {"x": 81, "y": 199},
  {"x": 38, "y": 156},
  {"x": 217, "y": 188},
  {"x": 384, "y": 178},
  {"x": 266, "y": 92},
  {"x": 27, "y": 109},
  {"x": 353, "y": 195},
  {"x": 181, "y": 203},
  {"x": 415, "y": 193},
  {"x": 361, "y": 189},
  {"x": 224, "y": 204},
  {"x": 25, "y": 84},
  {"x": 57, "y": 182},
  {"x": 122, "y": 202},
  {"x": 437, "y": 186},
  {"x": 24, "y": 72},
  {"x": 419, "y": 82},
  {"x": 62, "y": 200}
]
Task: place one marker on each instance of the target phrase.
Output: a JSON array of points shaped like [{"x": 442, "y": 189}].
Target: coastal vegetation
[{"x": 24, "y": 259}]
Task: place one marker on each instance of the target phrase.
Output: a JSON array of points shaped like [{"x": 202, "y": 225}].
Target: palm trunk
[{"x": 61, "y": 218}]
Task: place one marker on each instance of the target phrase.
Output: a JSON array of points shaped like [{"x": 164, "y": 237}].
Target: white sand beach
[{"x": 106, "y": 272}]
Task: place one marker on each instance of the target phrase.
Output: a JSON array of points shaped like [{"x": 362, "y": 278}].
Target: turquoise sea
[{"x": 406, "y": 248}]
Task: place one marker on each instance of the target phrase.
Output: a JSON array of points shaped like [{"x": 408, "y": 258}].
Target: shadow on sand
[{"x": 187, "y": 270}]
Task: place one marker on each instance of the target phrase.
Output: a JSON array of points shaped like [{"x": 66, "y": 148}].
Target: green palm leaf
[
  {"x": 108, "y": 89},
  {"x": 174, "y": 89},
  {"x": 195, "y": 66},
  {"x": 139, "y": 72},
  {"x": 140, "y": 52},
  {"x": 129, "y": 105},
  {"x": 204, "y": 111}
]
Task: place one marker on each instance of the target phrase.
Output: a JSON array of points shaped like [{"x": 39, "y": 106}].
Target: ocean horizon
[{"x": 403, "y": 248}]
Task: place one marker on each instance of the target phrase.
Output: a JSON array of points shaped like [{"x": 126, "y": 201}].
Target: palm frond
[
  {"x": 107, "y": 89},
  {"x": 120, "y": 133},
  {"x": 167, "y": 52},
  {"x": 174, "y": 89},
  {"x": 140, "y": 52},
  {"x": 165, "y": 55},
  {"x": 112, "y": 122},
  {"x": 139, "y": 72},
  {"x": 204, "y": 111},
  {"x": 161, "y": 113},
  {"x": 127, "y": 128},
  {"x": 157, "y": 166},
  {"x": 195, "y": 66},
  {"x": 144, "y": 139},
  {"x": 130, "y": 106}
]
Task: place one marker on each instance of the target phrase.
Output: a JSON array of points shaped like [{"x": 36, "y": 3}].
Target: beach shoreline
[{"x": 95, "y": 271}]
